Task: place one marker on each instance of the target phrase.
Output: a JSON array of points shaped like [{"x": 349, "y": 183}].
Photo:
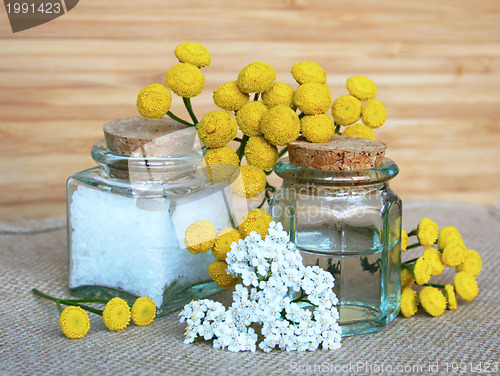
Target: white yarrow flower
[{"x": 270, "y": 269}]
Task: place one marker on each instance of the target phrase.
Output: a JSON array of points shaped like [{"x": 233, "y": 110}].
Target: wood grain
[{"x": 436, "y": 65}]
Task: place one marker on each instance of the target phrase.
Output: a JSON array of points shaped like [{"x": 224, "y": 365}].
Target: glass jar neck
[
  {"x": 294, "y": 175},
  {"x": 178, "y": 170}
]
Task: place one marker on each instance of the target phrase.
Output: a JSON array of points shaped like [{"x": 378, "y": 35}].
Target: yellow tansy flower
[
  {"x": 223, "y": 242},
  {"x": 454, "y": 252},
  {"x": 217, "y": 128},
  {"x": 404, "y": 240},
  {"x": 422, "y": 270},
  {"x": 116, "y": 314},
  {"x": 248, "y": 181},
  {"x": 200, "y": 237},
  {"x": 143, "y": 311},
  {"x": 361, "y": 87},
  {"x": 407, "y": 279},
  {"x": 434, "y": 257},
  {"x": 308, "y": 71},
  {"x": 229, "y": 97},
  {"x": 451, "y": 297},
  {"x": 193, "y": 53},
  {"x": 472, "y": 263},
  {"x": 374, "y": 114},
  {"x": 185, "y": 80},
  {"x": 427, "y": 232},
  {"x": 259, "y": 152},
  {"x": 217, "y": 271},
  {"x": 346, "y": 109},
  {"x": 154, "y": 101},
  {"x": 466, "y": 285},
  {"x": 409, "y": 302},
  {"x": 446, "y": 234},
  {"x": 74, "y": 322},
  {"x": 279, "y": 94},
  {"x": 432, "y": 300},
  {"x": 359, "y": 130},
  {"x": 256, "y": 77},
  {"x": 280, "y": 125},
  {"x": 317, "y": 128},
  {"x": 255, "y": 220},
  {"x": 249, "y": 117},
  {"x": 313, "y": 98},
  {"x": 220, "y": 163}
]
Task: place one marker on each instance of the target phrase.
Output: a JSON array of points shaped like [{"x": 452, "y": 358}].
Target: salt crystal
[{"x": 117, "y": 243}]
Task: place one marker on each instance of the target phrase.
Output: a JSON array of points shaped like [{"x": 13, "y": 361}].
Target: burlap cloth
[{"x": 33, "y": 254}]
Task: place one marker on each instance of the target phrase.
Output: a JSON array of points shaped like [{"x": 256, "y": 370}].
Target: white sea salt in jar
[{"x": 128, "y": 216}]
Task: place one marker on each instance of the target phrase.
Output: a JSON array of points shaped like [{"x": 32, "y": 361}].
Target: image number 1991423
[{"x": 26, "y": 14}]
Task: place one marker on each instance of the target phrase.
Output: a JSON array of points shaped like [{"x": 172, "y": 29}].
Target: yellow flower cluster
[
  {"x": 450, "y": 252},
  {"x": 193, "y": 53},
  {"x": 256, "y": 77},
  {"x": 220, "y": 163},
  {"x": 248, "y": 181},
  {"x": 229, "y": 97},
  {"x": 279, "y": 94},
  {"x": 255, "y": 220},
  {"x": 259, "y": 152},
  {"x": 116, "y": 315},
  {"x": 154, "y": 101},
  {"x": 280, "y": 125},
  {"x": 317, "y": 128},
  {"x": 184, "y": 79},
  {"x": 308, "y": 71},
  {"x": 348, "y": 109},
  {"x": 217, "y": 128},
  {"x": 200, "y": 237},
  {"x": 276, "y": 116},
  {"x": 74, "y": 322}
]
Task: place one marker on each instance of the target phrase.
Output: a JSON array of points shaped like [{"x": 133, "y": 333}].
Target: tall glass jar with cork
[
  {"x": 127, "y": 217},
  {"x": 337, "y": 205}
]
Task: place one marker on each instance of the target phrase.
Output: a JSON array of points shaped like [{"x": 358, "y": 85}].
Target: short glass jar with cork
[
  {"x": 336, "y": 203},
  {"x": 127, "y": 217}
]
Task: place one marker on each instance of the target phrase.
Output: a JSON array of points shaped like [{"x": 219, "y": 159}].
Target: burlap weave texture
[{"x": 33, "y": 254}]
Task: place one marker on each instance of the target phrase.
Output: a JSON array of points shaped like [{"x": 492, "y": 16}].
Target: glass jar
[
  {"x": 348, "y": 223},
  {"x": 126, "y": 224}
]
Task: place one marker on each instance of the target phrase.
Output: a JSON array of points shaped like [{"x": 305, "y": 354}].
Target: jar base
[
  {"x": 358, "y": 318},
  {"x": 170, "y": 304}
]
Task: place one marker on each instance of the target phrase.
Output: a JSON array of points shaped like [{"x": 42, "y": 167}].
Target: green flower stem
[
  {"x": 73, "y": 302},
  {"x": 413, "y": 246},
  {"x": 189, "y": 108},
  {"x": 299, "y": 299},
  {"x": 411, "y": 233},
  {"x": 301, "y": 115},
  {"x": 337, "y": 129},
  {"x": 412, "y": 260},
  {"x": 241, "y": 149},
  {"x": 435, "y": 285},
  {"x": 283, "y": 152},
  {"x": 182, "y": 121},
  {"x": 238, "y": 139},
  {"x": 407, "y": 266},
  {"x": 256, "y": 97},
  {"x": 262, "y": 202}
]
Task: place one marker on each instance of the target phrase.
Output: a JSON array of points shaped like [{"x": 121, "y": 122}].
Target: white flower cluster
[{"x": 294, "y": 303}]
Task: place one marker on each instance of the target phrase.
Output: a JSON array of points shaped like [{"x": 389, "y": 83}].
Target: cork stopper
[
  {"x": 139, "y": 136},
  {"x": 339, "y": 153}
]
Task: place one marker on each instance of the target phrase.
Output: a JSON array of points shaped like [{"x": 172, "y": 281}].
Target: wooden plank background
[{"x": 436, "y": 64}]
